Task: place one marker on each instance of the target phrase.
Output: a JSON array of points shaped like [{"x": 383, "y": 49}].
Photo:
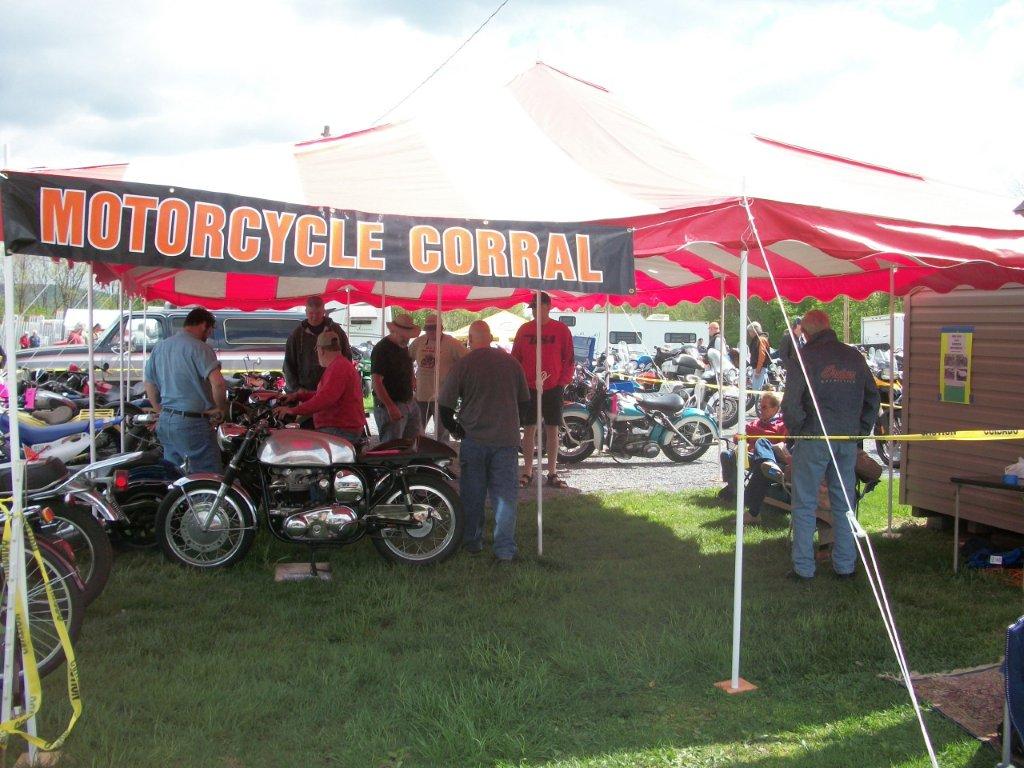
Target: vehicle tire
[
  {"x": 434, "y": 541},
  {"x": 575, "y": 439},
  {"x": 140, "y": 505},
  {"x": 730, "y": 410},
  {"x": 882, "y": 445},
  {"x": 180, "y": 521},
  {"x": 700, "y": 435},
  {"x": 70, "y": 604},
  {"x": 83, "y": 541}
]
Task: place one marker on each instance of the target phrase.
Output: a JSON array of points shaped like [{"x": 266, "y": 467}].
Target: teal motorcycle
[{"x": 633, "y": 424}]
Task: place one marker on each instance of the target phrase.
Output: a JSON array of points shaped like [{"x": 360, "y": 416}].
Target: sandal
[
  {"x": 526, "y": 480},
  {"x": 554, "y": 481}
]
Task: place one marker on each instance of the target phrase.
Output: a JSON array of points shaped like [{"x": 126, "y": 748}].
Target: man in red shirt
[
  {"x": 764, "y": 469},
  {"x": 557, "y": 366},
  {"x": 337, "y": 404}
]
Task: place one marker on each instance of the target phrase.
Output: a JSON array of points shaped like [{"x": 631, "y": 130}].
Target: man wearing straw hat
[
  {"x": 430, "y": 358},
  {"x": 394, "y": 407}
]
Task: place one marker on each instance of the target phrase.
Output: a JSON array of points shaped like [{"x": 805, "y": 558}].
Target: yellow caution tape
[
  {"x": 31, "y": 670},
  {"x": 963, "y": 435}
]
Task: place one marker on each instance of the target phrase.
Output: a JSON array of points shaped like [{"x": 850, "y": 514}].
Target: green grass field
[{"x": 602, "y": 654}]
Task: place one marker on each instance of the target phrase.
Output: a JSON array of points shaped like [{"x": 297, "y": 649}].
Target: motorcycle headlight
[{"x": 228, "y": 435}]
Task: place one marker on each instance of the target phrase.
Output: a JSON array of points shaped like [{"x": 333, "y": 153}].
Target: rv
[
  {"x": 874, "y": 331},
  {"x": 641, "y": 334}
]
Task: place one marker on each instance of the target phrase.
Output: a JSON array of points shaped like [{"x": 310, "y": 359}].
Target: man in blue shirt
[{"x": 186, "y": 387}]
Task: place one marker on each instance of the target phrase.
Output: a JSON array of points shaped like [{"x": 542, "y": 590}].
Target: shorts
[{"x": 550, "y": 406}]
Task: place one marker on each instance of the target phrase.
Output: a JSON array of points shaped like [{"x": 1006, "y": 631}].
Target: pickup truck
[{"x": 242, "y": 341}]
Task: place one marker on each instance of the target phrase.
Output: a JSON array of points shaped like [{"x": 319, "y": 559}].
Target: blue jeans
[
  {"x": 356, "y": 438},
  {"x": 408, "y": 426},
  {"x": 811, "y": 462},
  {"x": 489, "y": 469},
  {"x": 186, "y": 437},
  {"x": 757, "y": 484},
  {"x": 758, "y": 380}
]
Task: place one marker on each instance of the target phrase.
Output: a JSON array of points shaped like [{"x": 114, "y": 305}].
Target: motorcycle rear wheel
[
  {"x": 700, "y": 436},
  {"x": 140, "y": 506},
  {"x": 180, "y": 523},
  {"x": 70, "y": 606},
  {"x": 575, "y": 440},
  {"x": 435, "y": 540},
  {"x": 730, "y": 410},
  {"x": 88, "y": 545}
]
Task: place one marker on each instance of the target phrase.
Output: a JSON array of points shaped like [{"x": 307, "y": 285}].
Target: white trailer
[
  {"x": 874, "y": 330},
  {"x": 641, "y": 334}
]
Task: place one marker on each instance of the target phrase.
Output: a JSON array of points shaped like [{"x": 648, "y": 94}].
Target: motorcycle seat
[
  {"x": 59, "y": 415},
  {"x": 407, "y": 451},
  {"x": 38, "y": 474},
  {"x": 666, "y": 403},
  {"x": 34, "y": 435}
]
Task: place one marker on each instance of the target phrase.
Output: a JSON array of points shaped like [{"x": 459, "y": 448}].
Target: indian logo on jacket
[{"x": 833, "y": 374}]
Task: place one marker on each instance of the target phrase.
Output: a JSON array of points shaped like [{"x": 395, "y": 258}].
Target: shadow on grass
[{"x": 602, "y": 653}]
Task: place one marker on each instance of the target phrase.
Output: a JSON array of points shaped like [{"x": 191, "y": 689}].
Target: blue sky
[{"x": 928, "y": 86}]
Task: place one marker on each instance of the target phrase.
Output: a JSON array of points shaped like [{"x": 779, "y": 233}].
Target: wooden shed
[{"x": 997, "y": 402}]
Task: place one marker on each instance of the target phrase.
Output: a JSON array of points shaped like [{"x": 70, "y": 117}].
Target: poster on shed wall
[{"x": 955, "y": 364}]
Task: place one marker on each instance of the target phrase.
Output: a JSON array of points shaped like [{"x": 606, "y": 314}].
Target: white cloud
[{"x": 894, "y": 83}]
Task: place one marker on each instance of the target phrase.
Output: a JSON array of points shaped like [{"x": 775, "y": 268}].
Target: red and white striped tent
[{"x": 551, "y": 147}]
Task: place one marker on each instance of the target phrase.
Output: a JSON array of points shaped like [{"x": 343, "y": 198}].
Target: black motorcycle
[{"x": 313, "y": 489}]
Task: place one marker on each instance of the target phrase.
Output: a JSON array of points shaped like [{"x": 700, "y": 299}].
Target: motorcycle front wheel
[
  {"x": 436, "y": 539},
  {"x": 575, "y": 439},
  {"x": 699, "y": 437},
  {"x": 882, "y": 445},
  {"x": 189, "y": 537},
  {"x": 85, "y": 544},
  {"x": 70, "y": 607}
]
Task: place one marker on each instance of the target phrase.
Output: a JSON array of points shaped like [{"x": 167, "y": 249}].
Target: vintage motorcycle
[
  {"x": 313, "y": 489},
  {"x": 890, "y": 391},
  {"x": 636, "y": 424}
]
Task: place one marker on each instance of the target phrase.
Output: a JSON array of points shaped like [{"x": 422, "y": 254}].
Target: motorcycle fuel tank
[{"x": 305, "y": 448}]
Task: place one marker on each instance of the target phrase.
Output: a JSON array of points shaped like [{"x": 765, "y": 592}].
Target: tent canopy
[{"x": 551, "y": 147}]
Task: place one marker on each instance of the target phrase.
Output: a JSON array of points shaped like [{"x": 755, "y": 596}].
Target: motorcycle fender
[
  {"x": 433, "y": 469},
  {"x": 597, "y": 428},
  {"x": 663, "y": 436},
  {"x": 102, "y": 508},
  {"x": 182, "y": 482}
]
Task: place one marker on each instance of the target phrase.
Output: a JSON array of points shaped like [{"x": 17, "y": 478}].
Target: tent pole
[
  {"x": 892, "y": 383},
  {"x": 383, "y": 309},
  {"x": 145, "y": 328},
  {"x": 348, "y": 313},
  {"x": 121, "y": 381},
  {"x": 607, "y": 340},
  {"x": 437, "y": 369},
  {"x": 16, "y": 577},
  {"x": 741, "y": 467},
  {"x": 846, "y": 319},
  {"x": 92, "y": 368},
  {"x": 131, "y": 343},
  {"x": 720, "y": 378},
  {"x": 539, "y": 432}
]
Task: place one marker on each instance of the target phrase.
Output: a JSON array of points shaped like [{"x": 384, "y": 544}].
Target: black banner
[{"x": 157, "y": 226}]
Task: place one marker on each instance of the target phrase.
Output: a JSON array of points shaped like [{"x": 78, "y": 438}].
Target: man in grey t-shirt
[
  {"x": 494, "y": 397},
  {"x": 186, "y": 387}
]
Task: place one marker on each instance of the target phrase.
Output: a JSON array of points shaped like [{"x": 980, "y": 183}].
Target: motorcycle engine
[
  {"x": 325, "y": 523},
  {"x": 314, "y": 502}
]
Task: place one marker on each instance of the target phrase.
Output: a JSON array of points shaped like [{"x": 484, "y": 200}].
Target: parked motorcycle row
[
  {"x": 642, "y": 405},
  {"x": 306, "y": 487}
]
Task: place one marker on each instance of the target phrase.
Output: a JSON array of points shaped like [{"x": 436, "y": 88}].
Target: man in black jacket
[
  {"x": 847, "y": 404},
  {"x": 302, "y": 369}
]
